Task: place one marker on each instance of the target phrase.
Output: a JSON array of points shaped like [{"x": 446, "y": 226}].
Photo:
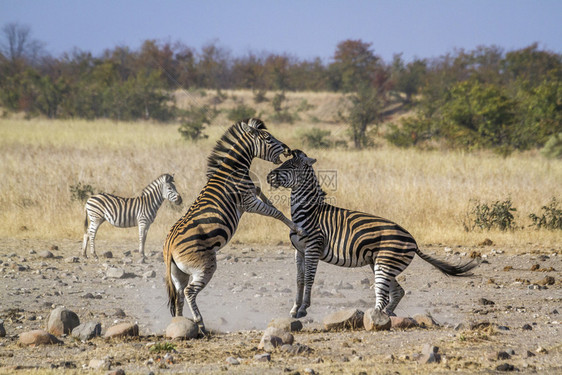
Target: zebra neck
[
  {"x": 236, "y": 162},
  {"x": 307, "y": 197}
]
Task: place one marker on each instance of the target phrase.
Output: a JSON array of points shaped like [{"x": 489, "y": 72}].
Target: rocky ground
[{"x": 506, "y": 317}]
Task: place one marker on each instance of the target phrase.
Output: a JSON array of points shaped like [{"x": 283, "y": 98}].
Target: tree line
[{"x": 483, "y": 98}]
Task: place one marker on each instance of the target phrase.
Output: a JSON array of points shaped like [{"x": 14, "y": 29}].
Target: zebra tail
[
  {"x": 172, "y": 293},
  {"x": 449, "y": 269}
]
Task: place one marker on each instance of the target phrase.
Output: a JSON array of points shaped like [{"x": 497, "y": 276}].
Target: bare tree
[{"x": 17, "y": 43}]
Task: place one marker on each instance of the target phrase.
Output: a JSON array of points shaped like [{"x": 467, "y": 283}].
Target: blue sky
[{"x": 305, "y": 29}]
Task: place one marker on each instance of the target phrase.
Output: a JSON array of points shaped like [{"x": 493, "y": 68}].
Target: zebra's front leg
[
  {"x": 299, "y": 260},
  {"x": 310, "y": 265},
  {"x": 254, "y": 205},
  {"x": 143, "y": 230}
]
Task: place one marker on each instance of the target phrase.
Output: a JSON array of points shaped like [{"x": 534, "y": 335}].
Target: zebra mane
[
  {"x": 156, "y": 183},
  {"x": 228, "y": 139}
]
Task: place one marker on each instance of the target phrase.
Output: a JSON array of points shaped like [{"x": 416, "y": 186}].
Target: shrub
[
  {"x": 81, "y": 192},
  {"x": 551, "y": 217},
  {"x": 240, "y": 112},
  {"x": 193, "y": 122},
  {"x": 498, "y": 215},
  {"x": 316, "y": 138},
  {"x": 259, "y": 96},
  {"x": 553, "y": 147},
  {"x": 162, "y": 347}
]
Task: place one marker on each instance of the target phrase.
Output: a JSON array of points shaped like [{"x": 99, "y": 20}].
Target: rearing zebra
[
  {"x": 128, "y": 212},
  {"x": 346, "y": 238},
  {"x": 191, "y": 246}
]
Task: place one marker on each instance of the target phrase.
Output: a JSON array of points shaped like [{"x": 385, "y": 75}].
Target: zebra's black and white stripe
[
  {"x": 191, "y": 246},
  {"x": 346, "y": 238},
  {"x": 128, "y": 212}
]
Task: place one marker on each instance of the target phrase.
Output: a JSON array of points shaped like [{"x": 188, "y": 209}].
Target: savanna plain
[{"x": 506, "y": 306}]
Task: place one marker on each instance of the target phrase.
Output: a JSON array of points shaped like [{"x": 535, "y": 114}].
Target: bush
[
  {"x": 316, "y": 138},
  {"x": 553, "y": 147},
  {"x": 259, "y": 96},
  {"x": 81, "y": 192},
  {"x": 194, "y": 121},
  {"x": 495, "y": 216},
  {"x": 240, "y": 112},
  {"x": 551, "y": 217}
]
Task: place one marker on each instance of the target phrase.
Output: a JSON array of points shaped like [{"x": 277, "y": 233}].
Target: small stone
[
  {"x": 119, "y": 313},
  {"x": 38, "y": 337},
  {"x": 548, "y": 280},
  {"x": 429, "y": 354},
  {"x": 529, "y": 354},
  {"x": 99, "y": 364},
  {"x": 149, "y": 274},
  {"x": 344, "y": 319},
  {"x": 107, "y": 254},
  {"x": 62, "y": 321},
  {"x": 507, "y": 268},
  {"x": 87, "y": 331},
  {"x": 535, "y": 267},
  {"x": 295, "y": 349},
  {"x": 505, "y": 367},
  {"x": 288, "y": 324},
  {"x": 72, "y": 260},
  {"x": 542, "y": 350},
  {"x": 398, "y": 322},
  {"x": 182, "y": 328},
  {"x": 486, "y": 242},
  {"x": 527, "y": 327},
  {"x": 2, "y": 329},
  {"x": 375, "y": 320},
  {"x": 266, "y": 357},
  {"x": 232, "y": 361},
  {"x": 116, "y": 372},
  {"x": 486, "y": 302},
  {"x": 502, "y": 355},
  {"x": 46, "y": 254},
  {"x": 115, "y": 273},
  {"x": 123, "y": 329},
  {"x": 425, "y": 320}
]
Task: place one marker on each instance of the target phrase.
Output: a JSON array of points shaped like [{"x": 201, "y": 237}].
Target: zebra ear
[
  {"x": 309, "y": 161},
  {"x": 249, "y": 129}
]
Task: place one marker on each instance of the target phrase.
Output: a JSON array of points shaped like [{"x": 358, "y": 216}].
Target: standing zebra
[
  {"x": 191, "y": 246},
  {"x": 346, "y": 238},
  {"x": 128, "y": 212}
]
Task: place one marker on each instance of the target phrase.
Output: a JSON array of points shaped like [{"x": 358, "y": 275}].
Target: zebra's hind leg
[
  {"x": 92, "y": 230},
  {"x": 396, "y": 294},
  {"x": 180, "y": 281},
  {"x": 199, "y": 279},
  {"x": 383, "y": 281}
]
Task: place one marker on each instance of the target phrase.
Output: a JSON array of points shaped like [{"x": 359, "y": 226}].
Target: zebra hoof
[{"x": 301, "y": 314}]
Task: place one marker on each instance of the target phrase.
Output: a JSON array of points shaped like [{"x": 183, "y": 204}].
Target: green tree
[{"x": 354, "y": 64}]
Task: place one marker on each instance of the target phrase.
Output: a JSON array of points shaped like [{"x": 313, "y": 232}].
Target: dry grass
[{"x": 426, "y": 192}]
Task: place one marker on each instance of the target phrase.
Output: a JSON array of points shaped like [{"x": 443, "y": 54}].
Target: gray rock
[
  {"x": 115, "y": 273},
  {"x": 2, "y": 329},
  {"x": 505, "y": 367},
  {"x": 266, "y": 357},
  {"x": 149, "y": 274},
  {"x": 87, "y": 331},
  {"x": 62, "y": 321},
  {"x": 46, "y": 254},
  {"x": 72, "y": 260},
  {"x": 375, "y": 320},
  {"x": 100, "y": 364},
  {"x": 119, "y": 313},
  {"x": 288, "y": 324},
  {"x": 232, "y": 361},
  {"x": 429, "y": 354},
  {"x": 344, "y": 319},
  {"x": 182, "y": 328},
  {"x": 107, "y": 254},
  {"x": 295, "y": 349}
]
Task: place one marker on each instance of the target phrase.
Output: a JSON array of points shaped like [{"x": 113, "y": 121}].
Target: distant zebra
[
  {"x": 191, "y": 246},
  {"x": 346, "y": 238},
  {"x": 128, "y": 212}
]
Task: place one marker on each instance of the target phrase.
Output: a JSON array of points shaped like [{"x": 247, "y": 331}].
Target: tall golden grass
[{"x": 426, "y": 192}]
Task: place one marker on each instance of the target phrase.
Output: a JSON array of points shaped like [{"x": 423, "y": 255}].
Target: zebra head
[
  {"x": 293, "y": 172},
  {"x": 169, "y": 191},
  {"x": 266, "y": 146}
]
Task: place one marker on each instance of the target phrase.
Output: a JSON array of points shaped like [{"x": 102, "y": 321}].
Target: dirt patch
[{"x": 506, "y": 307}]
